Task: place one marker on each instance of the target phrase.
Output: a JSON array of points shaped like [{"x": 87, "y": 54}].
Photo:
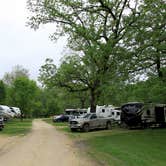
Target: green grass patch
[
  {"x": 133, "y": 148},
  {"x": 17, "y": 127}
]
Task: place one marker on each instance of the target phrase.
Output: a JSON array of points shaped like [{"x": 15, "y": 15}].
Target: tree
[
  {"x": 23, "y": 93},
  {"x": 146, "y": 40},
  {"x": 17, "y": 71},
  {"x": 70, "y": 75},
  {"x": 98, "y": 25},
  {"x": 2, "y": 92}
]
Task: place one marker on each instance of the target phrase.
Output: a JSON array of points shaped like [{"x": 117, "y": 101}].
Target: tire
[
  {"x": 86, "y": 127},
  {"x": 108, "y": 126}
]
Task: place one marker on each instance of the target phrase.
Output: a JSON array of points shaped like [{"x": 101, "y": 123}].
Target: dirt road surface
[{"x": 44, "y": 146}]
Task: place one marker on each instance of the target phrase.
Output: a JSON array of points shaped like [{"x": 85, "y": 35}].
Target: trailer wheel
[
  {"x": 86, "y": 127},
  {"x": 108, "y": 126}
]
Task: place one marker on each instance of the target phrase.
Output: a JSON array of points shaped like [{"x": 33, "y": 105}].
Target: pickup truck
[{"x": 90, "y": 121}]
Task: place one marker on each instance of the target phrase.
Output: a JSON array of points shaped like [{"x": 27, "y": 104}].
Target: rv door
[{"x": 159, "y": 114}]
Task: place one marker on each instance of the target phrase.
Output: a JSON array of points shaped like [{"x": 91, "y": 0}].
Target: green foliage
[
  {"x": 23, "y": 93},
  {"x": 2, "y": 92},
  {"x": 17, "y": 71},
  {"x": 100, "y": 27},
  {"x": 151, "y": 90},
  {"x": 146, "y": 39},
  {"x": 115, "y": 43},
  {"x": 47, "y": 72}
]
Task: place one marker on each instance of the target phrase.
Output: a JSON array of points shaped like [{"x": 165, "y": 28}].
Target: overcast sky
[{"x": 20, "y": 45}]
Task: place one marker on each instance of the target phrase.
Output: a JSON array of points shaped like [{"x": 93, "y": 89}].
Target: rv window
[
  {"x": 148, "y": 112},
  {"x": 103, "y": 110},
  {"x": 118, "y": 113},
  {"x": 112, "y": 113}
]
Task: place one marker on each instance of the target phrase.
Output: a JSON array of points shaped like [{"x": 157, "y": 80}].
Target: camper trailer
[
  {"x": 6, "y": 112},
  {"x": 143, "y": 114},
  {"x": 16, "y": 111},
  {"x": 108, "y": 111},
  {"x": 115, "y": 114},
  {"x": 103, "y": 111}
]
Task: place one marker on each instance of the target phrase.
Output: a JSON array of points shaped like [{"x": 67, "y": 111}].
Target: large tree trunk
[{"x": 93, "y": 98}]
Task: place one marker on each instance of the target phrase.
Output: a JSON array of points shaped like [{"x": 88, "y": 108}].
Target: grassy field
[
  {"x": 121, "y": 146},
  {"x": 16, "y": 127}
]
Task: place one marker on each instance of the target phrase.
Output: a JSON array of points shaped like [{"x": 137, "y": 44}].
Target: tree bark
[{"x": 92, "y": 101}]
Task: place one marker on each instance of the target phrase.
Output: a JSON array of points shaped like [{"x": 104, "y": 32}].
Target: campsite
[{"x": 83, "y": 83}]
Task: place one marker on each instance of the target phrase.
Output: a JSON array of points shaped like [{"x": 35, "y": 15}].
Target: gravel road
[{"x": 44, "y": 146}]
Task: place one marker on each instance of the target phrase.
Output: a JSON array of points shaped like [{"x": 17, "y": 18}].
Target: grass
[
  {"x": 17, "y": 127},
  {"x": 121, "y": 146},
  {"x": 134, "y": 148}
]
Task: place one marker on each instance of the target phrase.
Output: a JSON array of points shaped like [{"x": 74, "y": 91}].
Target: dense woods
[{"x": 118, "y": 54}]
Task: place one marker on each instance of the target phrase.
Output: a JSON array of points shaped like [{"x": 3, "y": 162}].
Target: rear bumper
[{"x": 75, "y": 126}]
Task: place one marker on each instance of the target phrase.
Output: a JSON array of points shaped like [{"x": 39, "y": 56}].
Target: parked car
[
  {"x": 90, "y": 121},
  {"x": 61, "y": 118}
]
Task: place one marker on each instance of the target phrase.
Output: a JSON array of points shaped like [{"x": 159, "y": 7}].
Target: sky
[{"x": 20, "y": 45}]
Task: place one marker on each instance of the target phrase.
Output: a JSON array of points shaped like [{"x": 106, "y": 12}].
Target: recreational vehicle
[
  {"x": 16, "y": 111},
  {"x": 73, "y": 113},
  {"x": 103, "y": 111},
  {"x": 138, "y": 114},
  {"x": 6, "y": 112},
  {"x": 108, "y": 111}
]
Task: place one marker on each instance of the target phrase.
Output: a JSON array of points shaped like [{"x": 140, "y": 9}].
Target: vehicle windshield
[{"x": 87, "y": 116}]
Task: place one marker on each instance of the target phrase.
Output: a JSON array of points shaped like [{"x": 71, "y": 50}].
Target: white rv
[
  {"x": 74, "y": 113},
  {"x": 108, "y": 111},
  {"x": 116, "y": 112},
  {"x": 6, "y": 112},
  {"x": 16, "y": 110},
  {"x": 104, "y": 111}
]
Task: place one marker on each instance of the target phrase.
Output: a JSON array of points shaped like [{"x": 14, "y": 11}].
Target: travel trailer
[
  {"x": 116, "y": 112},
  {"x": 16, "y": 110},
  {"x": 74, "y": 113},
  {"x": 108, "y": 111},
  {"x": 136, "y": 114},
  {"x": 6, "y": 112}
]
